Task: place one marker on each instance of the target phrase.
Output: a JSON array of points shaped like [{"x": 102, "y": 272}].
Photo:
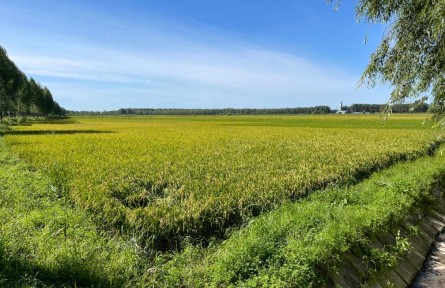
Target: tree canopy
[
  {"x": 20, "y": 96},
  {"x": 411, "y": 56}
]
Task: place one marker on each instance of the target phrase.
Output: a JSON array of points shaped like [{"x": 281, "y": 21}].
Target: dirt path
[{"x": 433, "y": 273}]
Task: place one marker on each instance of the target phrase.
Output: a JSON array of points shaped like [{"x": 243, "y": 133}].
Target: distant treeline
[
  {"x": 396, "y": 108},
  {"x": 225, "y": 111},
  {"x": 363, "y": 108},
  {"x": 20, "y": 96}
]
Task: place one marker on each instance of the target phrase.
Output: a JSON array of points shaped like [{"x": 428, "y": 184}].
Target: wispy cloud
[{"x": 167, "y": 63}]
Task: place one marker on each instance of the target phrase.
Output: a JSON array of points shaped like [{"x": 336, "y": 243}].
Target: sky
[{"x": 104, "y": 55}]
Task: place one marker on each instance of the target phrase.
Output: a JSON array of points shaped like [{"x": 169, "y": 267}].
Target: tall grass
[{"x": 46, "y": 242}]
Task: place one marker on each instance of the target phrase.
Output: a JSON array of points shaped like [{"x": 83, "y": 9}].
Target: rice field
[
  {"x": 304, "y": 243},
  {"x": 164, "y": 180}
]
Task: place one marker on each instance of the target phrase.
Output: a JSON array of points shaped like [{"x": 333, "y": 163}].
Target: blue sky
[{"x": 103, "y": 55}]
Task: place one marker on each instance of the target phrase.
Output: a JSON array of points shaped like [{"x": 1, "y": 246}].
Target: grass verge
[{"x": 45, "y": 242}]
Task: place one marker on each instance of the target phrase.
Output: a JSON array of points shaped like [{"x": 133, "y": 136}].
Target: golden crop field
[{"x": 161, "y": 179}]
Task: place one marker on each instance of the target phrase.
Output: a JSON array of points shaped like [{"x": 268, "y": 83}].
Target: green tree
[
  {"x": 24, "y": 97},
  {"x": 10, "y": 81},
  {"x": 411, "y": 56},
  {"x": 37, "y": 97},
  {"x": 47, "y": 103}
]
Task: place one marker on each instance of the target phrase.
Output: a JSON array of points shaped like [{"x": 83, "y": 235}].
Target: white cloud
[{"x": 184, "y": 66}]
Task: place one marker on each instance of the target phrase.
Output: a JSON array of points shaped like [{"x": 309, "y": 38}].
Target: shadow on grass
[
  {"x": 58, "y": 120},
  {"x": 16, "y": 273},
  {"x": 56, "y": 132}
]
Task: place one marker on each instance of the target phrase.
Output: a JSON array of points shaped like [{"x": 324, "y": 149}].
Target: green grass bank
[{"x": 46, "y": 242}]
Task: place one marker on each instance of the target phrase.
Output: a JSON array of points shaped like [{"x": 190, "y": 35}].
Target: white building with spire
[{"x": 340, "y": 109}]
